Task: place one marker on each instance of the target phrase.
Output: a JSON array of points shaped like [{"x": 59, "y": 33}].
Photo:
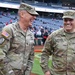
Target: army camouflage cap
[
  {"x": 69, "y": 14},
  {"x": 28, "y": 8}
]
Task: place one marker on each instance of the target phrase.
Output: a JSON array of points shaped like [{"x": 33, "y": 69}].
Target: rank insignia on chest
[{"x": 5, "y": 34}]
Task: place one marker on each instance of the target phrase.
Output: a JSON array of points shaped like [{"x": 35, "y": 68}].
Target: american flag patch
[{"x": 4, "y": 33}]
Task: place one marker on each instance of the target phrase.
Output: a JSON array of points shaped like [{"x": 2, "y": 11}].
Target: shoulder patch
[
  {"x": 2, "y": 40},
  {"x": 5, "y": 34}
]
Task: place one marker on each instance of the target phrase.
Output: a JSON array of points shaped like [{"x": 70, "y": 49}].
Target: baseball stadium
[{"x": 49, "y": 20}]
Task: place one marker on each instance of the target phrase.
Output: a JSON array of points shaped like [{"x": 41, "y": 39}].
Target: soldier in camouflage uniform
[
  {"x": 17, "y": 44},
  {"x": 61, "y": 45}
]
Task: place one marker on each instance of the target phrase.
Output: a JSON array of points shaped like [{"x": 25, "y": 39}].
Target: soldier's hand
[{"x": 47, "y": 73}]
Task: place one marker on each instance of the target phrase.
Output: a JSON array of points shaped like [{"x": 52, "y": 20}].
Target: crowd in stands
[{"x": 42, "y": 27}]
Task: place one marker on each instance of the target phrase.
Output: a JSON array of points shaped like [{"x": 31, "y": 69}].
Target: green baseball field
[{"x": 37, "y": 70}]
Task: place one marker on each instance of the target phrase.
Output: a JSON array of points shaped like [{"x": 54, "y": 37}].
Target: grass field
[{"x": 36, "y": 66}]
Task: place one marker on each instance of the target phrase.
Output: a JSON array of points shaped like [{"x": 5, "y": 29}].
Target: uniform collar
[
  {"x": 18, "y": 27},
  {"x": 20, "y": 30},
  {"x": 63, "y": 33}
]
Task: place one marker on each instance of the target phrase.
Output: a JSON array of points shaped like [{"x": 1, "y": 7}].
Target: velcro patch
[
  {"x": 5, "y": 34},
  {"x": 2, "y": 41}
]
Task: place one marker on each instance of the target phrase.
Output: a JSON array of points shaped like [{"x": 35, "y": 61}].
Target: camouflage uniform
[
  {"x": 61, "y": 45},
  {"x": 16, "y": 50}
]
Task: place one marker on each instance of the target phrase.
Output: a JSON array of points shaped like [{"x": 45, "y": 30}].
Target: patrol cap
[
  {"x": 28, "y": 8},
  {"x": 69, "y": 14}
]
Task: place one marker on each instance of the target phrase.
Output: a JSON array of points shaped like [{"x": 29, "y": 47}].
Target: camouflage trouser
[
  {"x": 6, "y": 69},
  {"x": 19, "y": 72},
  {"x": 15, "y": 72},
  {"x": 27, "y": 72}
]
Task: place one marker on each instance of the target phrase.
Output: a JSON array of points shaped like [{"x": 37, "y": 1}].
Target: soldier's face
[
  {"x": 69, "y": 24},
  {"x": 28, "y": 19}
]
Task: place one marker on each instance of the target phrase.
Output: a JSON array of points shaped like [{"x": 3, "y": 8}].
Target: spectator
[{"x": 45, "y": 35}]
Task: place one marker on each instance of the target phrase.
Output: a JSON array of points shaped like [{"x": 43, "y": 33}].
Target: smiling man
[
  {"x": 61, "y": 45},
  {"x": 69, "y": 21},
  {"x": 17, "y": 44}
]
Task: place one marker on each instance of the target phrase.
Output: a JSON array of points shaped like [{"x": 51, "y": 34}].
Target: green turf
[{"x": 36, "y": 66}]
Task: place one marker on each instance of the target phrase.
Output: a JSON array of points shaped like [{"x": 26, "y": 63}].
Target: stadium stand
[{"x": 46, "y": 20}]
